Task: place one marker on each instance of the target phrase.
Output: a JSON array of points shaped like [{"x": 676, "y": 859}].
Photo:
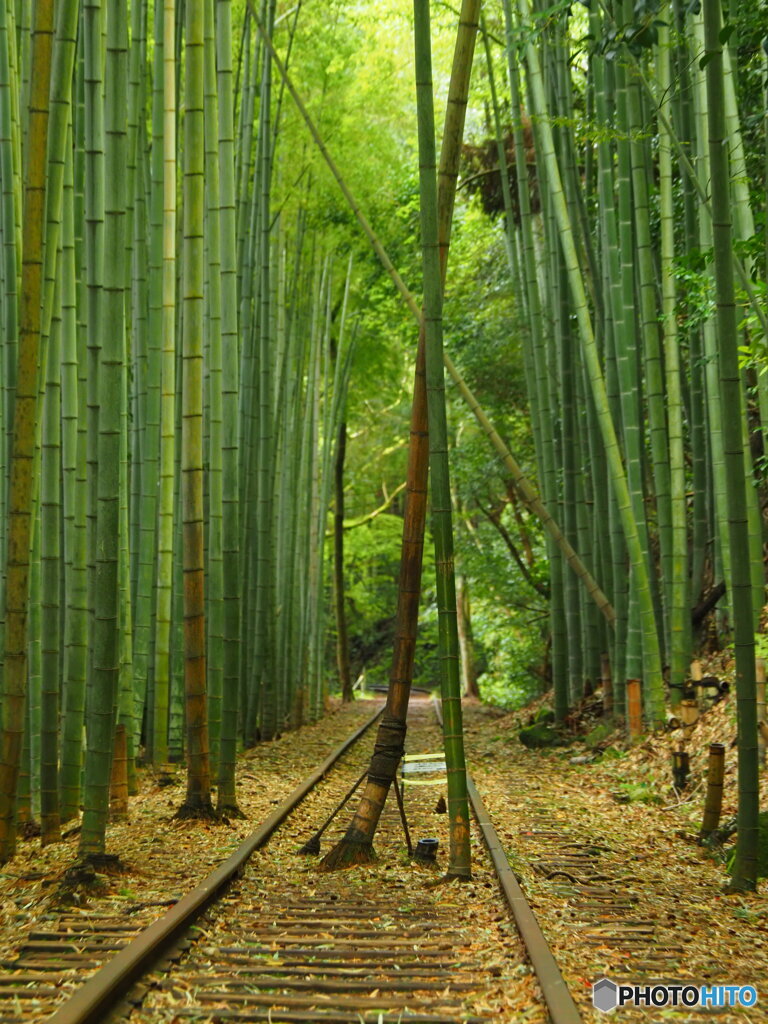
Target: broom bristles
[{"x": 311, "y": 848}]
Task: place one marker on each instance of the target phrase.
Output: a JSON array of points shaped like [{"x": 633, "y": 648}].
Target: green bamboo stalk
[
  {"x": 164, "y": 582},
  {"x": 148, "y": 374},
  {"x": 50, "y": 583},
  {"x": 51, "y": 511},
  {"x": 25, "y": 49},
  {"x": 126, "y": 702},
  {"x": 93, "y": 309},
  {"x": 63, "y": 59},
  {"x": 176, "y": 697},
  {"x": 357, "y": 844},
  {"x": 628, "y": 347},
  {"x": 248, "y": 211},
  {"x": 102, "y": 706},
  {"x": 744, "y": 871},
  {"x": 264, "y": 509},
  {"x": 9, "y": 256},
  {"x": 655, "y": 399},
  {"x": 677, "y": 574},
  {"x": 75, "y": 533},
  {"x": 458, "y": 808},
  {"x": 244, "y": 151},
  {"x": 136, "y": 270},
  {"x": 30, "y": 786},
  {"x": 651, "y": 653},
  {"x": 684, "y": 126},
  {"x": 714, "y": 410},
  {"x": 198, "y": 798},
  {"x": 17, "y": 142},
  {"x": 146, "y": 341},
  {"x": 612, "y": 327},
  {"x": 567, "y": 363},
  {"x": 215, "y": 575},
  {"x": 20, "y": 502},
  {"x": 227, "y": 799}
]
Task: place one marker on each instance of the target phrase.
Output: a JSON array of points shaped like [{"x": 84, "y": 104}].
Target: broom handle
[
  {"x": 399, "y": 796},
  {"x": 336, "y": 810}
]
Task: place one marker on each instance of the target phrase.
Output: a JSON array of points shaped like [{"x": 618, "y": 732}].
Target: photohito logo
[{"x": 607, "y": 995}]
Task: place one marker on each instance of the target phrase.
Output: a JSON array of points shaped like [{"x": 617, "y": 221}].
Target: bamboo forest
[{"x": 299, "y": 297}]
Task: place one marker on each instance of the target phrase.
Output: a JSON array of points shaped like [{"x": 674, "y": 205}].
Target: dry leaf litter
[{"x": 548, "y": 811}]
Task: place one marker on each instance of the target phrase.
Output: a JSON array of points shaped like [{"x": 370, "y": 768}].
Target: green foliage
[
  {"x": 509, "y": 654},
  {"x": 600, "y": 733},
  {"x": 539, "y": 736},
  {"x": 637, "y": 793},
  {"x": 371, "y": 560}
]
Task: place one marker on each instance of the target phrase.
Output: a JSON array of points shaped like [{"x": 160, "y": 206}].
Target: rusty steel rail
[
  {"x": 562, "y": 1008},
  {"x": 100, "y": 993}
]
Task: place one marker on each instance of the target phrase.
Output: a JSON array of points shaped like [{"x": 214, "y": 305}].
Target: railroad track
[{"x": 276, "y": 941}]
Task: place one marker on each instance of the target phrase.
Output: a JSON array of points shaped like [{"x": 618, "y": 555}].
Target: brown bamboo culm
[{"x": 714, "y": 800}]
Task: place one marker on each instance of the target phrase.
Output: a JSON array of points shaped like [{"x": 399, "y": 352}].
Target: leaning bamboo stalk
[
  {"x": 440, "y": 490},
  {"x": 527, "y": 491},
  {"x": 357, "y": 843},
  {"x": 529, "y": 495}
]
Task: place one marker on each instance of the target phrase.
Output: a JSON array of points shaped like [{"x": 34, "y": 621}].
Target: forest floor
[
  {"x": 617, "y": 806},
  {"x": 617, "y": 802}
]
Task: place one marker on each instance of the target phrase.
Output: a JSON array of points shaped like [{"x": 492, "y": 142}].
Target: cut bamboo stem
[
  {"x": 714, "y": 799},
  {"x": 696, "y": 680},
  {"x": 634, "y": 709},
  {"x": 607, "y": 682},
  {"x": 118, "y": 783}
]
